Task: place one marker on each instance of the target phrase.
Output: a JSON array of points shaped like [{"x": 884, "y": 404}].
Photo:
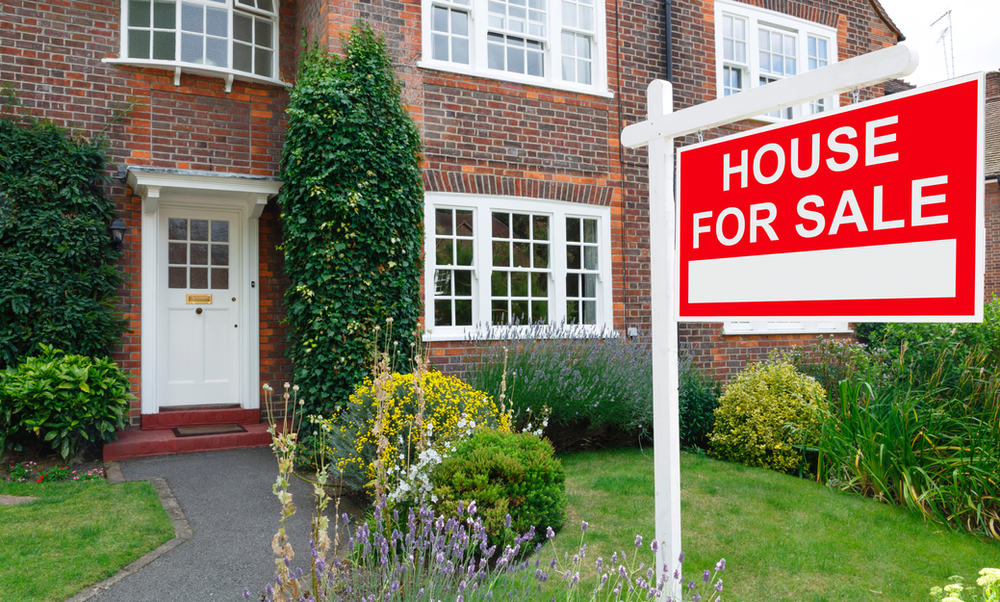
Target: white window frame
[
  {"x": 227, "y": 73},
  {"x": 478, "y": 11},
  {"x": 482, "y": 207},
  {"x": 738, "y": 328},
  {"x": 757, "y": 18}
]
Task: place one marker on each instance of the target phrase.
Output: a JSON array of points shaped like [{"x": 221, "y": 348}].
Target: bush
[
  {"x": 698, "y": 396},
  {"x": 451, "y": 408},
  {"x": 598, "y": 386},
  {"x": 57, "y": 281},
  {"x": 69, "y": 400},
  {"x": 512, "y": 474},
  {"x": 352, "y": 216},
  {"x": 831, "y": 361},
  {"x": 765, "y": 415},
  {"x": 934, "y": 352}
]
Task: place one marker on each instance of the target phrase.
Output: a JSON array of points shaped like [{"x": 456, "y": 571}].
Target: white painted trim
[{"x": 200, "y": 191}]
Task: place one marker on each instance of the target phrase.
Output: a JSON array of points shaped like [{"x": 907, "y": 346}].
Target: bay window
[{"x": 228, "y": 38}]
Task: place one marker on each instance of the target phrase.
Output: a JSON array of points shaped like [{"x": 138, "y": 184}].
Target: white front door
[{"x": 198, "y": 329}]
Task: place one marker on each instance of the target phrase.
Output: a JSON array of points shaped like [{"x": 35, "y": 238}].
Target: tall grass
[{"x": 926, "y": 439}]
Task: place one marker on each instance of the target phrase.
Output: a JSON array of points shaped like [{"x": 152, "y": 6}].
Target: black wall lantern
[{"x": 118, "y": 230}]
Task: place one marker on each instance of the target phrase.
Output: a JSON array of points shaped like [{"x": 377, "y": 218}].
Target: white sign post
[{"x": 658, "y": 134}]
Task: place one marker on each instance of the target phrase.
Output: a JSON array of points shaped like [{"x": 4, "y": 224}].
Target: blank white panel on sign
[{"x": 881, "y": 272}]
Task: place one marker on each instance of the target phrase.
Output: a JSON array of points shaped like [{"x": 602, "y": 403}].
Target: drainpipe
[{"x": 670, "y": 42}]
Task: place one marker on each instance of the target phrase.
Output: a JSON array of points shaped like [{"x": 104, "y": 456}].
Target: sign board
[{"x": 871, "y": 213}]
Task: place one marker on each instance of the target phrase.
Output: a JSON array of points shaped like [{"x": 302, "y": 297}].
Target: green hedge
[
  {"x": 352, "y": 216},
  {"x": 58, "y": 281}
]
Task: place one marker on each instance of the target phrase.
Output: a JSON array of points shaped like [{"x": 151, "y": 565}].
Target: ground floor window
[{"x": 512, "y": 261}]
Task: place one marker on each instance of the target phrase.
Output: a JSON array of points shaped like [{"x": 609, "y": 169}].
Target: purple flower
[
  {"x": 681, "y": 557},
  {"x": 718, "y": 586},
  {"x": 721, "y": 565},
  {"x": 638, "y": 540},
  {"x": 707, "y": 576},
  {"x": 549, "y": 533},
  {"x": 584, "y": 526},
  {"x": 654, "y": 545},
  {"x": 246, "y": 594}
]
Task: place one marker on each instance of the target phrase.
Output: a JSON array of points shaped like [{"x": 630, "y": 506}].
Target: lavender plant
[
  {"x": 428, "y": 556},
  {"x": 598, "y": 380}
]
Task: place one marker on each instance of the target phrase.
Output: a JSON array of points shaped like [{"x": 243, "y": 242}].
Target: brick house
[{"x": 520, "y": 104}]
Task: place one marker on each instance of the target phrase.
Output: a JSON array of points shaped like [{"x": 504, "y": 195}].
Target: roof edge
[{"x": 880, "y": 11}]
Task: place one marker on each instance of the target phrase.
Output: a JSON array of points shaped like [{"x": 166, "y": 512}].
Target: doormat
[{"x": 215, "y": 429}]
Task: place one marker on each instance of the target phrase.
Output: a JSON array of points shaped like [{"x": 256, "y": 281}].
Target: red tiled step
[
  {"x": 168, "y": 419},
  {"x": 140, "y": 444}
]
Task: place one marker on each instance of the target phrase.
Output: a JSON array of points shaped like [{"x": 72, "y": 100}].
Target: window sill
[
  {"x": 223, "y": 73},
  {"x": 500, "y": 333},
  {"x": 729, "y": 331},
  {"x": 515, "y": 78}
]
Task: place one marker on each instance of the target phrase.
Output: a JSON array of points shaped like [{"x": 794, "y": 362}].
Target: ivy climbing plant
[
  {"x": 352, "y": 216},
  {"x": 57, "y": 280}
]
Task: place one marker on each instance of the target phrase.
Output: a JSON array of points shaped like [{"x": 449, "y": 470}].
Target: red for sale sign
[{"x": 873, "y": 212}]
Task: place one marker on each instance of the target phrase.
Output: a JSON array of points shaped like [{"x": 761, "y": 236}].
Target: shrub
[
  {"x": 597, "y": 385},
  {"x": 698, "y": 396},
  {"x": 514, "y": 479},
  {"x": 765, "y": 415},
  {"x": 352, "y": 216},
  {"x": 935, "y": 351},
  {"x": 68, "y": 400},
  {"x": 57, "y": 281},
  {"x": 831, "y": 361},
  {"x": 450, "y": 408}
]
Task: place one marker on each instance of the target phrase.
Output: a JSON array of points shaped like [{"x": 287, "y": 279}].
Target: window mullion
[
  {"x": 558, "y": 254},
  {"x": 484, "y": 267}
]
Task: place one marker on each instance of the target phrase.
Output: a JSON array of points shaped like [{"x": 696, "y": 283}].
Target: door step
[
  {"x": 187, "y": 416},
  {"x": 162, "y": 442}
]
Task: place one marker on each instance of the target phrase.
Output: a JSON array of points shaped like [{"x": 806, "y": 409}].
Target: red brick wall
[
  {"x": 992, "y": 210},
  {"x": 52, "y": 54},
  {"x": 483, "y": 136}
]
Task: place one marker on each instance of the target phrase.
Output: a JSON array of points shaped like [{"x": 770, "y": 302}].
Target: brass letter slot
[{"x": 199, "y": 299}]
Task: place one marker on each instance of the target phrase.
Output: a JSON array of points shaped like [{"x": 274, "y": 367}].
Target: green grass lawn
[
  {"x": 783, "y": 538},
  {"x": 76, "y": 534}
]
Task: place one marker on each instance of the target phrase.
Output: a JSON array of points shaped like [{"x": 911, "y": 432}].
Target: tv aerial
[{"x": 949, "y": 47}]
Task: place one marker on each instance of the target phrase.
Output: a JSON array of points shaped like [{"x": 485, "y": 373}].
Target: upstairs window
[
  {"x": 758, "y": 46},
  {"x": 552, "y": 43},
  {"x": 227, "y": 36}
]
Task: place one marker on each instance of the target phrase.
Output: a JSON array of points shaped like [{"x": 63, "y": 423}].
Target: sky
[{"x": 974, "y": 36}]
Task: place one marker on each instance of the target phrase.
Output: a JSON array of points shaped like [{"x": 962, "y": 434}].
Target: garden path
[{"x": 227, "y": 499}]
